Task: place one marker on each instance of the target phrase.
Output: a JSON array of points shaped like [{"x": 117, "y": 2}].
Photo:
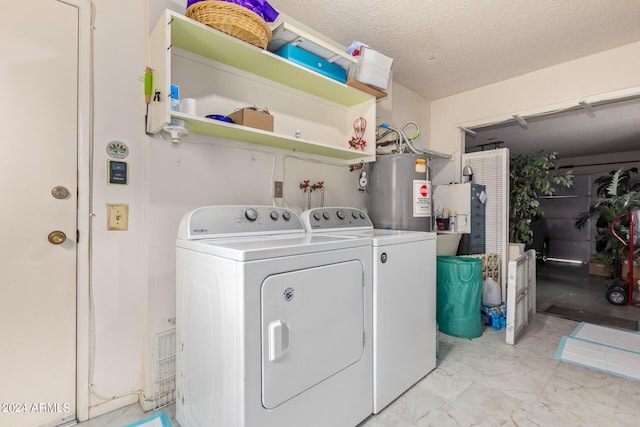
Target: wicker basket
[{"x": 232, "y": 19}]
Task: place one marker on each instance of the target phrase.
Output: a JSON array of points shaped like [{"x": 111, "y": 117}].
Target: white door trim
[{"x": 85, "y": 148}]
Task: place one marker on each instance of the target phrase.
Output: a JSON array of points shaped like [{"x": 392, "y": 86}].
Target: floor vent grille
[{"x": 164, "y": 368}]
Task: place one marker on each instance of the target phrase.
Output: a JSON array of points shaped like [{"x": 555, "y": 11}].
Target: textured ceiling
[{"x": 444, "y": 47}]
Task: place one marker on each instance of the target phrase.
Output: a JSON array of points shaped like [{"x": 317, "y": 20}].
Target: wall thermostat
[{"x": 117, "y": 172}]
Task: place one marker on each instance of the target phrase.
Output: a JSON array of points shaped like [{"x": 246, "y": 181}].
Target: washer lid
[
  {"x": 381, "y": 237},
  {"x": 265, "y": 247}
]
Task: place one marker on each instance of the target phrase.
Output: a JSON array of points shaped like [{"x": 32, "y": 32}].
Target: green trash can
[{"x": 459, "y": 296}]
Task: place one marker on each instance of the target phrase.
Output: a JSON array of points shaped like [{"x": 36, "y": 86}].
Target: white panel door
[{"x": 38, "y": 152}]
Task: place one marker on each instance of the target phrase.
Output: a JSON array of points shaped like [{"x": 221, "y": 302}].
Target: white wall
[
  {"x": 132, "y": 281},
  {"x": 133, "y": 271},
  {"x": 612, "y": 73},
  {"x": 404, "y": 106},
  {"x": 118, "y": 277}
]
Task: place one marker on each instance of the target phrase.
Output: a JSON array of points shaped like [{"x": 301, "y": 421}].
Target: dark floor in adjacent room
[{"x": 569, "y": 286}]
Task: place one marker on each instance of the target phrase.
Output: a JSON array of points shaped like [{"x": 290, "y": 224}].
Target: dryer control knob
[
  {"x": 251, "y": 214},
  {"x": 354, "y": 214},
  {"x": 362, "y": 215},
  {"x": 326, "y": 215},
  {"x": 340, "y": 214},
  {"x": 317, "y": 216},
  {"x": 286, "y": 215},
  {"x": 274, "y": 215}
]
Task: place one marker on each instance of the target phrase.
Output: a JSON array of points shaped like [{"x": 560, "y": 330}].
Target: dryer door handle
[{"x": 278, "y": 340}]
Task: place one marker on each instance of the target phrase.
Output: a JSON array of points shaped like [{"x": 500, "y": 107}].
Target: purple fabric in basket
[{"x": 261, "y": 7}]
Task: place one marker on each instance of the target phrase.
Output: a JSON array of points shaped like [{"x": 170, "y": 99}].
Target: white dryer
[
  {"x": 274, "y": 325},
  {"x": 404, "y": 298}
]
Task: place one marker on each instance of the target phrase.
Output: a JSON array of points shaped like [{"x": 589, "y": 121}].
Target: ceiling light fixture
[{"x": 521, "y": 121}]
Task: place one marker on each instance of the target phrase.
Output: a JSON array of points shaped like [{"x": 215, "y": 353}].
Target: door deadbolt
[
  {"x": 57, "y": 237},
  {"x": 60, "y": 192}
]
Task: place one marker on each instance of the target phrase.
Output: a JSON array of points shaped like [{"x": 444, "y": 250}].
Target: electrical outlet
[
  {"x": 277, "y": 189},
  {"x": 117, "y": 217}
]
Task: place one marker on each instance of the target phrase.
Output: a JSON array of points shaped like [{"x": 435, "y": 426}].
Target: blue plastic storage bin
[{"x": 313, "y": 62}]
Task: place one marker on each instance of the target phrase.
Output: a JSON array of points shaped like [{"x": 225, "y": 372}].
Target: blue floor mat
[
  {"x": 609, "y": 350},
  {"x": 161, "y": 419}
]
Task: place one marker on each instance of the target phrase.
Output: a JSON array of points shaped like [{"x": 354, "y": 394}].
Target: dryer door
[{"x": 312, "y": 327}]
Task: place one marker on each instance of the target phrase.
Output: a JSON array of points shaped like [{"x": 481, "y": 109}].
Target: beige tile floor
[{"x": 485, "y": 382}]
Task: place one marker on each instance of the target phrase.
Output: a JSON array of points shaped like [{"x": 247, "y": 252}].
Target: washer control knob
[
  {"x": 251, "y": 214},
  {"x": 354, "y": 214},
  {"x": 286, "y": 215},
  {"x": 363, "y": 215},
  {"x": 274, "y": 215},
  {"x": 317, "y": 216},
  {"x": 340, "y": 214},
  {"x": 326, "y": 215}
]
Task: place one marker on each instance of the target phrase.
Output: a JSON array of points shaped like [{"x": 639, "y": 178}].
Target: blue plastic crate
[{"x": 313, "y": 62}]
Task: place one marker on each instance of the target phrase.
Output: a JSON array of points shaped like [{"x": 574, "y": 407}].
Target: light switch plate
[
  {"x": 117, "y": 217},
  {"x": 277, "y": 189}
]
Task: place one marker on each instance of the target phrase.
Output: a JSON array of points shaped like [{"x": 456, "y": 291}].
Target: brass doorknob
[
  {"x": 60, "y": 192},
  {"x": 57, "y": 237}
]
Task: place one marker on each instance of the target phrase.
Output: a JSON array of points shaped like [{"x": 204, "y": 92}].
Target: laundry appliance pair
[{"x": 282, "y": 325}]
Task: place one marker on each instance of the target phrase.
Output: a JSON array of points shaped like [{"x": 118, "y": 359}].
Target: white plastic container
[
  {"x": 491, "y": 293},
  {"x": 374, "y": 68}
]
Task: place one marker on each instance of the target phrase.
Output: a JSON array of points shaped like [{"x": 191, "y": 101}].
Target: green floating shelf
[
  {"x": 198, "y": 38},
  {"x": 204, "y": 126}
]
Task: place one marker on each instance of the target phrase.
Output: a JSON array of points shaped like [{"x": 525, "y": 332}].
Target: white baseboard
[{"x": 112, "y": 405}]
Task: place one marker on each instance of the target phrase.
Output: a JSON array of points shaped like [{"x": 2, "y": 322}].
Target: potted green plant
[
  {"x": 618, "y": 192},
  {"x": 531, "y": 176}
]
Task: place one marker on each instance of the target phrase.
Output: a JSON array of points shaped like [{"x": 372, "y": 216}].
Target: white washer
[
  {"x": 404, "y": 298},
  {"x": 274, "y": 326}
]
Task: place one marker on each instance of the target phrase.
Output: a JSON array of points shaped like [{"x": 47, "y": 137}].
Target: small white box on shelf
[{"x": 374, "y": 68}]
